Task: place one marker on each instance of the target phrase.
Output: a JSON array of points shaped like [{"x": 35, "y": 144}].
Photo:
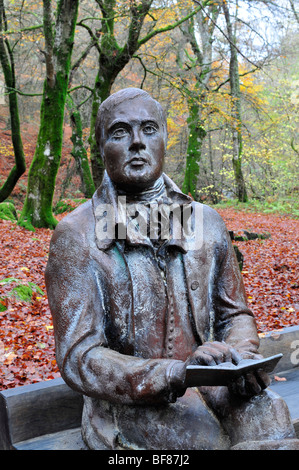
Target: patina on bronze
[{"x": 132, "y": 308}]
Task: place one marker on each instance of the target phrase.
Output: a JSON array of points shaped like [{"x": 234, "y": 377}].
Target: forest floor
[{"x": 27, "y": 355}]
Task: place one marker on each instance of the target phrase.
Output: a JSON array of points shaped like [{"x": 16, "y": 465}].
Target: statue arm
[
  {"x": 234, "y": 321},
  {"x": 85, "y": 361},
  {"x": 235, "y": 324}
]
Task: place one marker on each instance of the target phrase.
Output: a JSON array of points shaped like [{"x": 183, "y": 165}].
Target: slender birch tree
[
  {"x": 8, "y": 67},
  {"x": 236, "y": 126}
]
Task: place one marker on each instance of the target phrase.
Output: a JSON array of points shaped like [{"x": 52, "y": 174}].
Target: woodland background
[{"x": 227, "y": 74}]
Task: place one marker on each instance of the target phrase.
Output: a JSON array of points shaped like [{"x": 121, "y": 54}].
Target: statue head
[{"x": 131, "y": 133}]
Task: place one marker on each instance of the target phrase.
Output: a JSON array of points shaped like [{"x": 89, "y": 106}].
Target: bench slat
[{"x": 38, "y": 409}]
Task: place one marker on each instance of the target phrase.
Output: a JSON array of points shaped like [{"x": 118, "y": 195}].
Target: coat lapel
[{"x": 117, "y": 283}]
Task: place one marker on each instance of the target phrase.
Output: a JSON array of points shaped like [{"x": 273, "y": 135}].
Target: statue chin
[{"x": 138, "y": 183}]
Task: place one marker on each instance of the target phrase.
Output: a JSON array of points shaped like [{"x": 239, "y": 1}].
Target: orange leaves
[
  {"x": 270, "y": 269},
  {"x": 26, "y": 330}
]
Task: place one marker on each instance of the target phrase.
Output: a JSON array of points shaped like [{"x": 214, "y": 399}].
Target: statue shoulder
[
  {"x": 212, "y": 220},
  {"x": 76, "y": 224}
]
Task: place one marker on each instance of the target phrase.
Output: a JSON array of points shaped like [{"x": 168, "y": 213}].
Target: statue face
[{"x": 134, "y": 145}]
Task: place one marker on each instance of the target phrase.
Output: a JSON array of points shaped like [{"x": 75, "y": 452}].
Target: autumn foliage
[
  {"x": 270, "y": 270},
  {"x": 27, "y": 352}
]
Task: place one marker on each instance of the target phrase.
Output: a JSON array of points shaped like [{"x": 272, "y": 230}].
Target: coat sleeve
[
  {"x": 234, "y": 321},
  {"x": 77, "y": 305}
]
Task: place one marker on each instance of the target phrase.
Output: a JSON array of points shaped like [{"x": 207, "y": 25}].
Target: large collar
[{"x": 107, "y": 196}]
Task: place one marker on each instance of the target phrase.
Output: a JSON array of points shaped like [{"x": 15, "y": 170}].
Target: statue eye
[
  {"x": 149, "y": 129},
  {"x": 119, "y": 133}
]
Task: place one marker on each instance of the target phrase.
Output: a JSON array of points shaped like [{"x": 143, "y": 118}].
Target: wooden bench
[{"x": 45, "y": 416}]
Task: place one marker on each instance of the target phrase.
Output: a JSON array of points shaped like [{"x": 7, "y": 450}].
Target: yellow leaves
[{"x": 173, "y": 126}]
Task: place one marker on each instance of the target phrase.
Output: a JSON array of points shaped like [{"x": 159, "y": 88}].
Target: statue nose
[{"x": 137, "y": 142}]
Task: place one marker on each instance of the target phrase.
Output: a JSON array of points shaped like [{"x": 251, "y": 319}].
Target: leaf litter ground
[{"x": 27, "y": 350}]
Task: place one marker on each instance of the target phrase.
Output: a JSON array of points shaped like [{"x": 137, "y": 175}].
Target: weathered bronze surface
[
  {"x": 227, "y": 372},
  {"x": 143, "y": 282}
]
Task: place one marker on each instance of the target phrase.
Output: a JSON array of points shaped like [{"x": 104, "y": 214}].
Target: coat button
[{"x": 194, "y": 285}]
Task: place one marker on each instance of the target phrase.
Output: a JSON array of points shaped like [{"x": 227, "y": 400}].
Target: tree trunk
[
  {"x": 197, "y": 134},
  {"x": 236, "y": 109},
  {"x": 7, "y": 63},
  {"x": 37, "y": 210},
  {"x": 102, "y": 89},
  {"x": 202, "y": 70},
  {"x": 79, "y": 152}
]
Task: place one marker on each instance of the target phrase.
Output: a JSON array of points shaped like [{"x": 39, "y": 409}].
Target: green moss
[
  {"x": 197, "y": 134},
  {"x": 8, "y": 211},
  {"x": 20, "y": 291},
  {"x": 67, "y": 205},
  {"x": 25, "y": 223},
  {"x": 23, "y": 293}
]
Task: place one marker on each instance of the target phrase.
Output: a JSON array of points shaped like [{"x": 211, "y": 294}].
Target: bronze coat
[{"x": 90, "y": 297}]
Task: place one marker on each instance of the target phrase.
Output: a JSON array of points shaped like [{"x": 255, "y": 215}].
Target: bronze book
[{"x": 224, "y": 373}]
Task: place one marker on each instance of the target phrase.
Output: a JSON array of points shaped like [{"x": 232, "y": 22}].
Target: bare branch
[
  {"x": 294, "y": 10},
  {"x": 171, "y": 26},
  {"x": 226, "y": 36}
]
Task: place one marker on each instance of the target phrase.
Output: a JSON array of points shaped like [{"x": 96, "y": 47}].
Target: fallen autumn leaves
[
  {"x": 270, "y": 270},
  {"x": 26, "y": 332}
]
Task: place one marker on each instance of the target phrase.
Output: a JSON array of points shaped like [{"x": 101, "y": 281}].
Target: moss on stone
[{"x": 8, "y": 211}]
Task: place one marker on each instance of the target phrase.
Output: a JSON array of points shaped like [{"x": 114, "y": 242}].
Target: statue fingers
[{"x": 263, "y": 378}]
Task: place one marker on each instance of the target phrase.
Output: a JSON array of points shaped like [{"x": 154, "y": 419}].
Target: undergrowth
[{"x": 270, "y": 205}]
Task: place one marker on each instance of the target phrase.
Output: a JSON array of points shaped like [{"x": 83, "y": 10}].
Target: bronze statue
[{"x": 135, "y": 301}]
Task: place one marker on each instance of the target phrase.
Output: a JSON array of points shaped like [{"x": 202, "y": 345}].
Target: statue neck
[{"x": 149, "y": 194}]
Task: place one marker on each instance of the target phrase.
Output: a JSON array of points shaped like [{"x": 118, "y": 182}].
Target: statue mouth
[{"x": 137, "y": 161}]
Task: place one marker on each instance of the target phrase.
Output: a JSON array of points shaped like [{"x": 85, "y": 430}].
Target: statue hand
[
  {"x": 251, "y": 383},
  {"x": 213, "y": 353}
]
